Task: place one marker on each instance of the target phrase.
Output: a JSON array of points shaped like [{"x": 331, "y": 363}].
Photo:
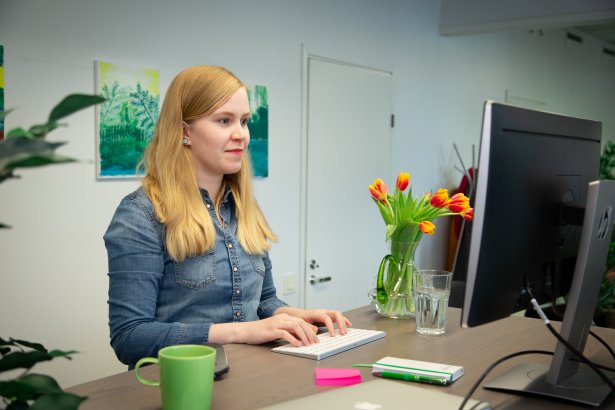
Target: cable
[
  {"x": 493, "y": 365},
  {"x": 605, "y": 344},
  {"x": 556, "y": 311},
  {"x": 539, "y": 311},
  {"x": 571, "y": 347}
]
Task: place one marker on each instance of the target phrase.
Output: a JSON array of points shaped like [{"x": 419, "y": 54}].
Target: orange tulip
[
  {"x": 440, "y": 198},
  {"x": 379, "y": 190},
  {"x": 427, "y": 227},
  {"x": 468, "y": 214},
  {"x": 403, "y": 180},
  {"x": 458, "y": 203}
]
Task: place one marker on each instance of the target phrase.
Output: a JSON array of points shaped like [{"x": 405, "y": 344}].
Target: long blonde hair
[{"x": 170, "y": 179}]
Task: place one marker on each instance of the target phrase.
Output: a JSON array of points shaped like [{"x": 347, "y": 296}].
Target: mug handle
[{"x": 143, "y": 379}]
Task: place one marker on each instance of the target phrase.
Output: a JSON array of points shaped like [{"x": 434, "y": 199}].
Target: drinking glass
[{"x": 432, "y": 289}]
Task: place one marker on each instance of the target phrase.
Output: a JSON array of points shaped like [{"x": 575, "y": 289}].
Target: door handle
[{"x": 314, "y": 279}]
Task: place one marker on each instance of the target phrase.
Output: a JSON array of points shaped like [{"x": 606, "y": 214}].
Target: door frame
[{"x": 306, "y": 56}]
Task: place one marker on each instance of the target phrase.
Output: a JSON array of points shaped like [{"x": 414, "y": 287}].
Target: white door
[{"x": 348, "y": 145}]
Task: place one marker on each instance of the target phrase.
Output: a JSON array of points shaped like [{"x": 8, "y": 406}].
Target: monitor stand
[{"x": 566, "y": 378}]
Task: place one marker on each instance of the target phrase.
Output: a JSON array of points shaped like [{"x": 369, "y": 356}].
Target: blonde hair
[{"x": 170, "y": 179}]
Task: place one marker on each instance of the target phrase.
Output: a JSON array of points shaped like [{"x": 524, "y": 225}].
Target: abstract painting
[
  {"x": 259, "y": 129},
  {"x": 125, "y": 122}
]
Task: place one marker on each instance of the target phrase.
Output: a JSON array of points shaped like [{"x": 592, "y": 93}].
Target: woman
[{"x": 188, "y": 259}]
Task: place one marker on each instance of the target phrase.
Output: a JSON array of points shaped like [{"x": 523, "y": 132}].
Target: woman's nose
[{"x": 239, "y": 133}]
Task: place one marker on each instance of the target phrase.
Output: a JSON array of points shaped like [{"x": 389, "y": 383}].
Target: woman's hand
[
  {"x": 319, "y": 316},
  {"x": 293, "y": 329}
]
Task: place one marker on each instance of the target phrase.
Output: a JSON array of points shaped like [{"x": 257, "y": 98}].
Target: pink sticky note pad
[{"x": 337, "y": 377}]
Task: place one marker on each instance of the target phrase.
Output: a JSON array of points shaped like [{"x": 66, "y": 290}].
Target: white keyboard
[{"x": 329, "y": 346}]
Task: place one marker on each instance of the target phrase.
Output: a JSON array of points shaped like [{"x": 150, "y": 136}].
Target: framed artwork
[
  {"x": 1, "y": 92},
  {"x": 259, "y": 129},
  {"x": 125, "y": 122}
]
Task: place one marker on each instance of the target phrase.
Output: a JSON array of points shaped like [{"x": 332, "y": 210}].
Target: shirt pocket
[
  {"x": 258, "y": 264},
  {"x": 196, "y": 272}
]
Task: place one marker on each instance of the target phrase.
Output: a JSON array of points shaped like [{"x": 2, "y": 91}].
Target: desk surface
[{"x": 258, "y": 377}]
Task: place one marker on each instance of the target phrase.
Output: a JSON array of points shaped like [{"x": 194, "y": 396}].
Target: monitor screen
[{"x": 532, "y": 166}]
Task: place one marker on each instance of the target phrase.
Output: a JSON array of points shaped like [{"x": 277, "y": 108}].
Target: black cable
[
  {"x": 608, "y": 369},
  {"x": 556, "y": 311},
  {"x": 528, "y": 289},
  {"x": 594, "y": 367},
  {"x": 493, "y": 365},
  {"x": 605, "y": 344},
  {"x": 579, "y": 355}
]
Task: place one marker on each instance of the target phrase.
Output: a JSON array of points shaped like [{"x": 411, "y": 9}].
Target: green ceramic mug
[{"x": 186, "y": 376}]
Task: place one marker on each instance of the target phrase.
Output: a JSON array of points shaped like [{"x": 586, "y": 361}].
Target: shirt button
[
  {"x": 237, "y": 291},
  {"x": 234, "y": 268},
  {"x": 230, "y": 245},
  {"x": 238, "y": 313},
  {"x": 208, "y": 206}
]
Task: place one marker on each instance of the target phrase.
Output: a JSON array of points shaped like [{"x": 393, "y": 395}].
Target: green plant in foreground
[
  {"x": 23, "y": 148},
  {"x": 32, "y": 390}
]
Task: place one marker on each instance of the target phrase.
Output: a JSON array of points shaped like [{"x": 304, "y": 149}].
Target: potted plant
[{"x": 23, "y": 148}]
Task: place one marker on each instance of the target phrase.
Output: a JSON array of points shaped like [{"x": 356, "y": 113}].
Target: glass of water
[{"x": 431, "y": 290}]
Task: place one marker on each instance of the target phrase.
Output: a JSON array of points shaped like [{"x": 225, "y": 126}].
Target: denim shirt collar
[{"x": 207, "y": 198}]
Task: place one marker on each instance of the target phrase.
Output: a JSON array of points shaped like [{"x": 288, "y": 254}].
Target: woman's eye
[
  {"x": 224, "y": 121},
  {"x": 244, "y": 121}
]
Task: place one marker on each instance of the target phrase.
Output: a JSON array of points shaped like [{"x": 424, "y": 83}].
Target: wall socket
[{"x": 290, "y": 283}]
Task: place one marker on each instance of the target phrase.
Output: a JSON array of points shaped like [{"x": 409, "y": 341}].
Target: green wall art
[
  {"x": 125, "y": 122},
  {"x": 1, "y": 92},
  {"x": 259, "y": 129}
]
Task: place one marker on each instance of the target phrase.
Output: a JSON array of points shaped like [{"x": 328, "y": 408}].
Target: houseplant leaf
[
  {"x": 73, "y": 103},
  {"x": 58, "y": 401},
  {"x": 25, "y": 360},
  {"x": 29, "y": 387}
]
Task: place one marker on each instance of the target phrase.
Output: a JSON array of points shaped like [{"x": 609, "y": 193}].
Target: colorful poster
[
  {"x": 259, "y": 129},
  {"x": 125, "y": 122},
  {"x": 1, "y": 92}
]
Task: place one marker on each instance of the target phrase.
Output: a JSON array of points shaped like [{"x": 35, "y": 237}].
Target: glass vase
[{"x": 391, "y": 293}]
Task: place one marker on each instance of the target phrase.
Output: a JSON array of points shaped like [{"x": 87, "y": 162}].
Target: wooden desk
[{"x": 258, "y": 377}]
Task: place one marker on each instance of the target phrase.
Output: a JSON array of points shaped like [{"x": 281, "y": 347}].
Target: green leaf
[
  {"x": 25, "y": 360},
  {"x": 41, "y": 130},
  {"x": 58, "y": 401},
  {"x": 31, "y": 345},
  {"x": 18, "y": 132},
  {"x": 18, "y": 405},
  {"x": 29, "y": 387},
  {"x": 27, "y": 152},
  {"x": 390, "y": 231},
  {"x": 73, "y": 103},
  {"x": 3, "y": 114},
  {"x": 40, "y": 160}
]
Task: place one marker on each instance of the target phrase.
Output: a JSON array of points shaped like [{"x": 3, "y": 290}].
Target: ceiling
[{"x": 604, "y": 32}]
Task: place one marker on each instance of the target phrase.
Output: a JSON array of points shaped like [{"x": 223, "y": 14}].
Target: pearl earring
[{"x": 185, "y": 141}]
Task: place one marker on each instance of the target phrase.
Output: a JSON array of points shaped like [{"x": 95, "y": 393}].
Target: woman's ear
[{"x": 186, "y": 134}]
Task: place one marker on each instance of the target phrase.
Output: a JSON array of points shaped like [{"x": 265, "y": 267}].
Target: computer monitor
[{"x": 537, "y": 216}]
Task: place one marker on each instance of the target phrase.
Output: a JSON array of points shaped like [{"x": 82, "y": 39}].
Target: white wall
[{"x": 53, "y": 284}]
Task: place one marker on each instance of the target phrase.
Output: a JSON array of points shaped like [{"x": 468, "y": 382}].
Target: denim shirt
[{"x": 155, "y": 301}]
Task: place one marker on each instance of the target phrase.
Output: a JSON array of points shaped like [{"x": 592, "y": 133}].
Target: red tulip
[
  {"x": 403, "y": 179},
  {"x": 458, "y": 203},
  {"x": 379, "y": 190},
  {"x": 427, "y": 227},
  {"x": 440, "y": 198},
  {"x": 468, "y": 214}
]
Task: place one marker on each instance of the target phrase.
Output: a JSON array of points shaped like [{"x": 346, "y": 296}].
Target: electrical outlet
[{"x": 290, "y": 283}]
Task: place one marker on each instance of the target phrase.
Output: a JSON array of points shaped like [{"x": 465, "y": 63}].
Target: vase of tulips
[{"x": 407, "y": 219}]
